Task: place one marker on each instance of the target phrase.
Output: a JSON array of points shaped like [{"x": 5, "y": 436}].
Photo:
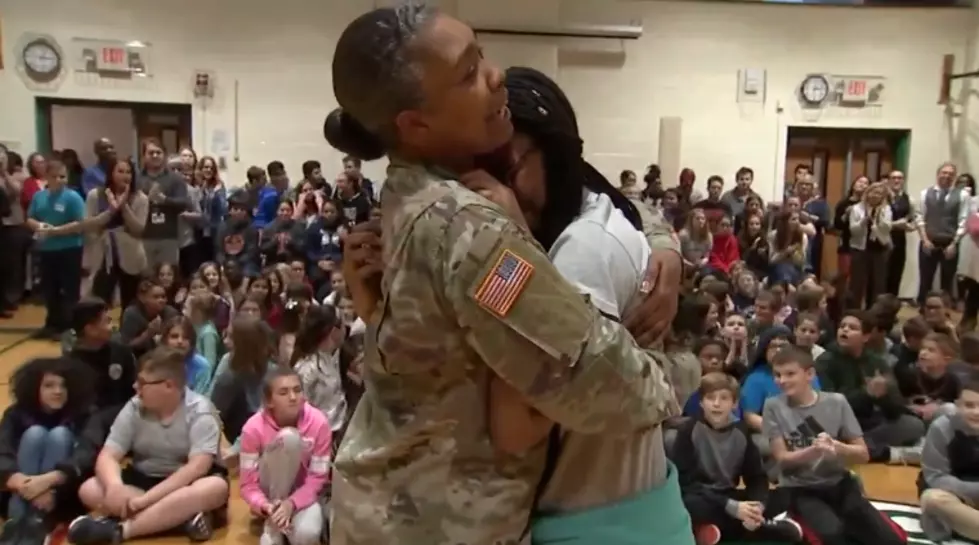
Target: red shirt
[
  {"x": 724, "y": 252},
  {"x": 31, "y": 186}
]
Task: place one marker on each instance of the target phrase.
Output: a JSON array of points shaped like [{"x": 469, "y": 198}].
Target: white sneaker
[{"x": 271, "y": 536}]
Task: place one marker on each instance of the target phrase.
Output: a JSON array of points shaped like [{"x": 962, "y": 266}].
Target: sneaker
[
  {"x": 199, "y": 527},
  {"x": 784, "y": 529},
  {"x": 271, "y": 536},
  {"x": 906, "y": 455},
  {"x": 90, "y": 530},
  {"x": 707, "y": 534}
]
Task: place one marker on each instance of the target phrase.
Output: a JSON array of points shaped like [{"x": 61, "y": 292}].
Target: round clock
[
  {"x": 42, "y": 60},
  {"x": 814, "y": 90}
]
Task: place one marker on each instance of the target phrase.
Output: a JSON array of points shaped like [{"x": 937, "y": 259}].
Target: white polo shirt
[{"x": 602, "y": 254}]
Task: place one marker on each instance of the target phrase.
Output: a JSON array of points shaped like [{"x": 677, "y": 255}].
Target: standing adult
[
  {"x": 969, "y": 267},
  {"x": 941, "y": 224},
  {"x": 902, "y": 221},
  {"x": 416, "y": 466},
  {"x": 13, "y": 235},
  {"x": 815, "y": 212},
  {"x": 168, "y": 196},
  {"x": 737, "y": 196},
  {"x": 113, "y": 255},
  {"x": 105, "y": 156}
]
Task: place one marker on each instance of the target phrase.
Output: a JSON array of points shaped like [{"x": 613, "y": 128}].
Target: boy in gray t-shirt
[
  {"x": 814, "y": 435},
  {"x": 173, "y": 436}
]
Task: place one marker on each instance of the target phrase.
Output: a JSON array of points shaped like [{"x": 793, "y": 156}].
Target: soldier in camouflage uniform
[{"x": 467, "y": 294}]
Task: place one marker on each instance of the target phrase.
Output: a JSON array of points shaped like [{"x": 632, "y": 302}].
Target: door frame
[
  {"x": 43, "y": 105},
  {"x": 901, "y": 151}
]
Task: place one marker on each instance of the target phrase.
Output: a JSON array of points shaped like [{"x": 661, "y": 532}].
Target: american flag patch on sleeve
[{"x": 504, "y": 283}]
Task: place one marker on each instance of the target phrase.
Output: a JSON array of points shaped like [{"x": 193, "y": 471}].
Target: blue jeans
[{"x": 40, "y": 450}]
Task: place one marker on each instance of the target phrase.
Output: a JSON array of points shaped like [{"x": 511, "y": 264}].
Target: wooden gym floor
[{"x": 886, "y": 483}]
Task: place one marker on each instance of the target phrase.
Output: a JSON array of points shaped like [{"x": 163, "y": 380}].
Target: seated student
[
  {"x": 808, "y": 299},
  {"x": 879, "y": 342},
  {"x": 863, "y": 377},
  {"x": 760, "y": 384},
  {"x": 173, "y": 436},
  {"x": 237, "y": 385},
  {"x": 930, "y": 384},
  {"x": 806, "y": 333},
  {"x": 201, "y": 309},
  {"x": 712, "y": 354},
  {"x": 323, "y": 249},
  {"x": 765, "y": 308},
  {"x": 285, "y": 462},
  {"x": 237, "y": 242},
  {"x": 316, "y": 359},
  {"x": 51, "y": 400},
  {"x": 906, "y": 352},
  {"x": 734, "y": 334},
  {"x": 969, "y": 364},
  {"x": 814, "y": 436},
  {"x": 178, "y": 333},
  {"x": 112, "y": 366},
  {"x": 714, "y": 454},
  {"x": 935, "y": 311},
  {"x": 141, "y": 321},
  {"x": 949, "y": 478}
]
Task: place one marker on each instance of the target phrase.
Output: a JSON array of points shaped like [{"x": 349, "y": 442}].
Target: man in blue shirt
[
  {"x": 57, "y": 216},
  {"x": 94, "y": 176}
]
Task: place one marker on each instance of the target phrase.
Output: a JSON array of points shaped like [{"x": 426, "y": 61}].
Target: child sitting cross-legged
[
  {"x": 37, "y": 435},
  {"x": 949, "y": 478},
  {"x": 173, "y": 436},
  {"x": 285, "y": 461},
  {"x": 713, "y": 454},
  {"x": 814, "y": 436},
  {"x": 848, "y": 367},
  {"x": 930, "y": 384}
]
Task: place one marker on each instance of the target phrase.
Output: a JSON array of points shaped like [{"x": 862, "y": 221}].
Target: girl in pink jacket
[{"x": 285, "y": 461}]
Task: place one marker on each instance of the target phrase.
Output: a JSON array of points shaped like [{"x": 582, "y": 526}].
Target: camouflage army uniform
[{"x": 416, "y": 466}]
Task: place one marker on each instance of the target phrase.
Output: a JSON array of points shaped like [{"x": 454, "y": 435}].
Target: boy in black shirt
[
  {"x": 930, "y": 384},
  {"x": 114, "y": 367},
  {"x": 713, "y": 454},
  {"x": 906, "y": 353}
]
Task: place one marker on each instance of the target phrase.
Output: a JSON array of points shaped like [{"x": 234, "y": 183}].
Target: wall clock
[
  {"x": 41, "y": 62},
  {"x": 814, "y": 89}
]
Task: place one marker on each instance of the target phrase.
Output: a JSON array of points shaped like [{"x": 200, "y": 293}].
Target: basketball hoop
[{"x": 948, "y": 76}]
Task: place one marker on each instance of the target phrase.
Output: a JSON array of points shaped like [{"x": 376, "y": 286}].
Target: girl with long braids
[
  {"x": 593, "y": 236},
  {"x": 468, "y": 297}
]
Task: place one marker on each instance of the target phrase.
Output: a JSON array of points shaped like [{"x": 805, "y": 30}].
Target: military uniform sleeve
[{"x": 539, "y": 334}]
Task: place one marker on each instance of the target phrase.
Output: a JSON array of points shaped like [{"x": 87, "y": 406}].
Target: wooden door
[
  {"x": 837, "y": 157},
  {"x": 170, "y": 124}
]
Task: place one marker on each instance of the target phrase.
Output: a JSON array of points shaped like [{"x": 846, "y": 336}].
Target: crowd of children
[
  {"x": 260, "y": 345},
  {"x": 249, "y": 363}
]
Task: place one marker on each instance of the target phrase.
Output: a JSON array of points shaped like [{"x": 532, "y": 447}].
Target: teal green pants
[{"x": 651, "y": 518}]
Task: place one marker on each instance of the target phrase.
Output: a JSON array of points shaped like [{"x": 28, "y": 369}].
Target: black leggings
[
  {"x": 105, "y": 282},
  {"x": 840, "y": 515}
]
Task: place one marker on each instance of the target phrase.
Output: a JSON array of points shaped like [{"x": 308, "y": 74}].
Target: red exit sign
[
  {"x": 113, "y": 59},
  {"x": 855, "y": 90}
]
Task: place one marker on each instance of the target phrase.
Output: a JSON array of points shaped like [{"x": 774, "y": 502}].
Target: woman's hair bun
[{"x": 346, "y": 134}]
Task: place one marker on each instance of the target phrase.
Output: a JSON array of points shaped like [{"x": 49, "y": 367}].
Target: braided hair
[{"x": 540, "y": 110}]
